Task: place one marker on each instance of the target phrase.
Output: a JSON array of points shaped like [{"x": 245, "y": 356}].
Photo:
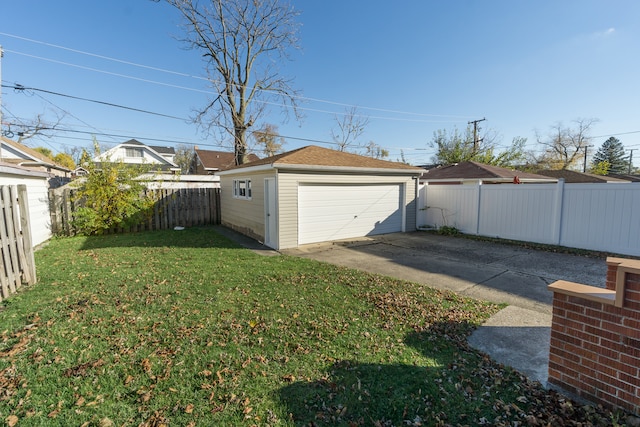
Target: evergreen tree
[{"x": 612, "y": 151}]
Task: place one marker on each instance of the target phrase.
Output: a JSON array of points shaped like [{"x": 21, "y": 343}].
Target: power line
[
  {"x": 182, "y": 74},
  {"x": 110, "y": 104}
]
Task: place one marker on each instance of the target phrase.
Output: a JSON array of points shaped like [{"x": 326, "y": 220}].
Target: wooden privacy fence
[
  {"x": 185, "y": 207},
  {"x": 17, "y": 267}
]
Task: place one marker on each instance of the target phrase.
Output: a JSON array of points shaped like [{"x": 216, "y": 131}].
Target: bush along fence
[
  {"x": 17, "y": 266},
  {"x": 184, "y": 207},
  {"x": 595, "y": 337}
]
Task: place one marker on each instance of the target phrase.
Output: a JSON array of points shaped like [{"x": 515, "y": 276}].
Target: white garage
[
  {"x": 315, "y": 194},
  {"x": 332, "y": 212}
]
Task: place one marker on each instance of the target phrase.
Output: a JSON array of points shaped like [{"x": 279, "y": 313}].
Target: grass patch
[{"x": 185, "y": 328}]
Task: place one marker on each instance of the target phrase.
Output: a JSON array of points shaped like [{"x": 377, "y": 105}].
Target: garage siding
[
  {"x": 288, "y": 198},
  {"x": 245, "y": 216},
  {"x": 38, "y": 198}
]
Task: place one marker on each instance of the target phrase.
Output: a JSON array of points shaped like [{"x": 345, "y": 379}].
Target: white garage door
[{"x": 332, "y": 212}]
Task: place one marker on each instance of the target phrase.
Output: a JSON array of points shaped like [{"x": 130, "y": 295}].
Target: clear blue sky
[{"x": 413, "y": 67}]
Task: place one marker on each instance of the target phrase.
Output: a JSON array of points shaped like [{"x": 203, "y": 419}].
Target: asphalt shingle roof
[
  {"x": 220, "y": 160},
  {"x": 475, "y": 170},
  {"x": 312, "y": 155}
]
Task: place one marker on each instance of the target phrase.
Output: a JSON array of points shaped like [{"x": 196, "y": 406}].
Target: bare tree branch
[
  {"x": 242, "y": 41},
  {"x": 564, "y": 145},
  {"x": 350, "y": 126}
]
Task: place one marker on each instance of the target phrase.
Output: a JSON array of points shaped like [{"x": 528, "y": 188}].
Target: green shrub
[{"x": 111, "y": 196}]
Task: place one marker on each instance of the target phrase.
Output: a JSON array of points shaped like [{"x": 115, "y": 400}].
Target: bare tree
[
  {"x": 37, "y": 127},
  {"x": 564, "y": 146},
  {"x": 350, "y": 126},
  {"x": 242, "y": 42},
  {"x": 269, "y": 139},
  {"x": 184, "y": 157}
]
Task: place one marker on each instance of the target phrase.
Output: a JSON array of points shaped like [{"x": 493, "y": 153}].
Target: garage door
[{"x": 332, "y": 212}]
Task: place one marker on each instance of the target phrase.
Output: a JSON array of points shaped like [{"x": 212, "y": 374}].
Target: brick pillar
[{"x": 595, "y": 337}]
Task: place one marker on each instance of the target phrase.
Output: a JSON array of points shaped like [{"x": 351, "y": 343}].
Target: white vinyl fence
[{"x": 602, "y": 217}]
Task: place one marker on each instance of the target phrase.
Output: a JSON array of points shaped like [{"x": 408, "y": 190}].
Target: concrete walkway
[{"x": 517, "y": 336}]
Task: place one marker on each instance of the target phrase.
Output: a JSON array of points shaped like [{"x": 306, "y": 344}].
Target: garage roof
[
  {"x": 470, "y": 170},
  {"x": 318, "y": 158}
]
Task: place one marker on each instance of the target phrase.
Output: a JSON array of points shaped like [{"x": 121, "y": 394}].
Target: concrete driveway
[{"x": 518, "y": 335}]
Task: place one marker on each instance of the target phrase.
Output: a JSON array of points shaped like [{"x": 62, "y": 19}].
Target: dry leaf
[
  {"x": 189, "y": 408},
  {"x": 11, "y": 420}
]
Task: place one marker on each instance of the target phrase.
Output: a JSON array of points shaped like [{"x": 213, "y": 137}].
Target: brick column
[{"x": 595, "y": 337}]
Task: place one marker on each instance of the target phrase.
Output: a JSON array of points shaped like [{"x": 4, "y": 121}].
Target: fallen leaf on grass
[
  {"x": 189, "y": 408},
  {"x": 12, "y": 420}
]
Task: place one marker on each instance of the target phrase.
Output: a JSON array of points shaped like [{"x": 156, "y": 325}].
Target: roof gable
[
  {"x": 26, "y": 154},
  {"x": 161, "y": 158},
  {"x": 313, "y": 156}
]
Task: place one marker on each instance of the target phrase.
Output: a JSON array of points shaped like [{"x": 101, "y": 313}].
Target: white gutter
[{"x": 15, "y": 170}]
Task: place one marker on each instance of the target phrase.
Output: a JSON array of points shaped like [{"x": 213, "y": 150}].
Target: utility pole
[
  {"x": 631, "y": 150},
  {"x": 476, "y": 129},
  {"x": 586, "y": 149}
]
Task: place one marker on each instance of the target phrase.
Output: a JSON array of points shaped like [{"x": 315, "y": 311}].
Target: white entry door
[
  {"x": 332, "y": 212},
  {"x": 270, "y": 221}
]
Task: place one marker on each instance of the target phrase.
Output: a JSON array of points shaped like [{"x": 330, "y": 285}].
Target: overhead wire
[
  {"x": 182, "y": 74},
  {"x": 110, "y": 104}
]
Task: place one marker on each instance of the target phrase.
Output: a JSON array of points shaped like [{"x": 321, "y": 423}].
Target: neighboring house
[
  {"x": 208, "y": 162},
  {"x": 574, "y": 177},
  {"x": 315, "y": 194},
  {"x": 473, "y": 173},
  {"x": 37, "y": 196},
  {"x": 12, "y": 152},
  {"x": 136, "y": 153}
]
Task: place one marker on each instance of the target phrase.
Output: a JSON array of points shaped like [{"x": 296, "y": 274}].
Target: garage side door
[{"x": 332, "y": 212}]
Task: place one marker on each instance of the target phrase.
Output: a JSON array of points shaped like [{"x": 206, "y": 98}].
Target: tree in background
[
  {"x": 269, "y": 140},
  {"x": 111, "y": 196},
  {"x": 375, "y": 151},
  {"x": 242, "y": 41},
  {"x": 65, "y": 160},
  {"x": 62, "y": 159},
  {"x": 612, "y": 152},
  {"x": 456, "y": 147},
  {"x": 350, "y": 126},
  {"x": 600, "y": 168},
  {"x": 184, "y": 157},
  {"x": 44, "y": 151},
  {"x": 565, "y": 146}
]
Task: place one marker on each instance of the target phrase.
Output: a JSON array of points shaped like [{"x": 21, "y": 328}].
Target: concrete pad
[{"x": 519, "y": 338}]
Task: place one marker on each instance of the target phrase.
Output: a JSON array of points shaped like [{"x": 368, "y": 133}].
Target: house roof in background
[
  {"x": 314, "y": 156},
  {"x": 157, "y": 148},
  {"x": 219, "y": 160},
  {"x": 30, "y": 155},
  {"x": 574, "y": 177},
  {"x": 632, "y": 178},
  {"x": 479, "y": 171}
]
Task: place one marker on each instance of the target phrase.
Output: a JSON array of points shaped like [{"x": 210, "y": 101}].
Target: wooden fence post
[{"x": 23, "y": 203}]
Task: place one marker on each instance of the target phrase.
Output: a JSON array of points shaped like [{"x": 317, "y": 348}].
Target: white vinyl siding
[
  {"x": 244, "y": 215},
  {"x": 38, "y": 197}
]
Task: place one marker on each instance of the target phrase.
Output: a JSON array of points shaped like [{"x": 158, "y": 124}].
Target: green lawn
[{"x": 184, "y": 328}]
